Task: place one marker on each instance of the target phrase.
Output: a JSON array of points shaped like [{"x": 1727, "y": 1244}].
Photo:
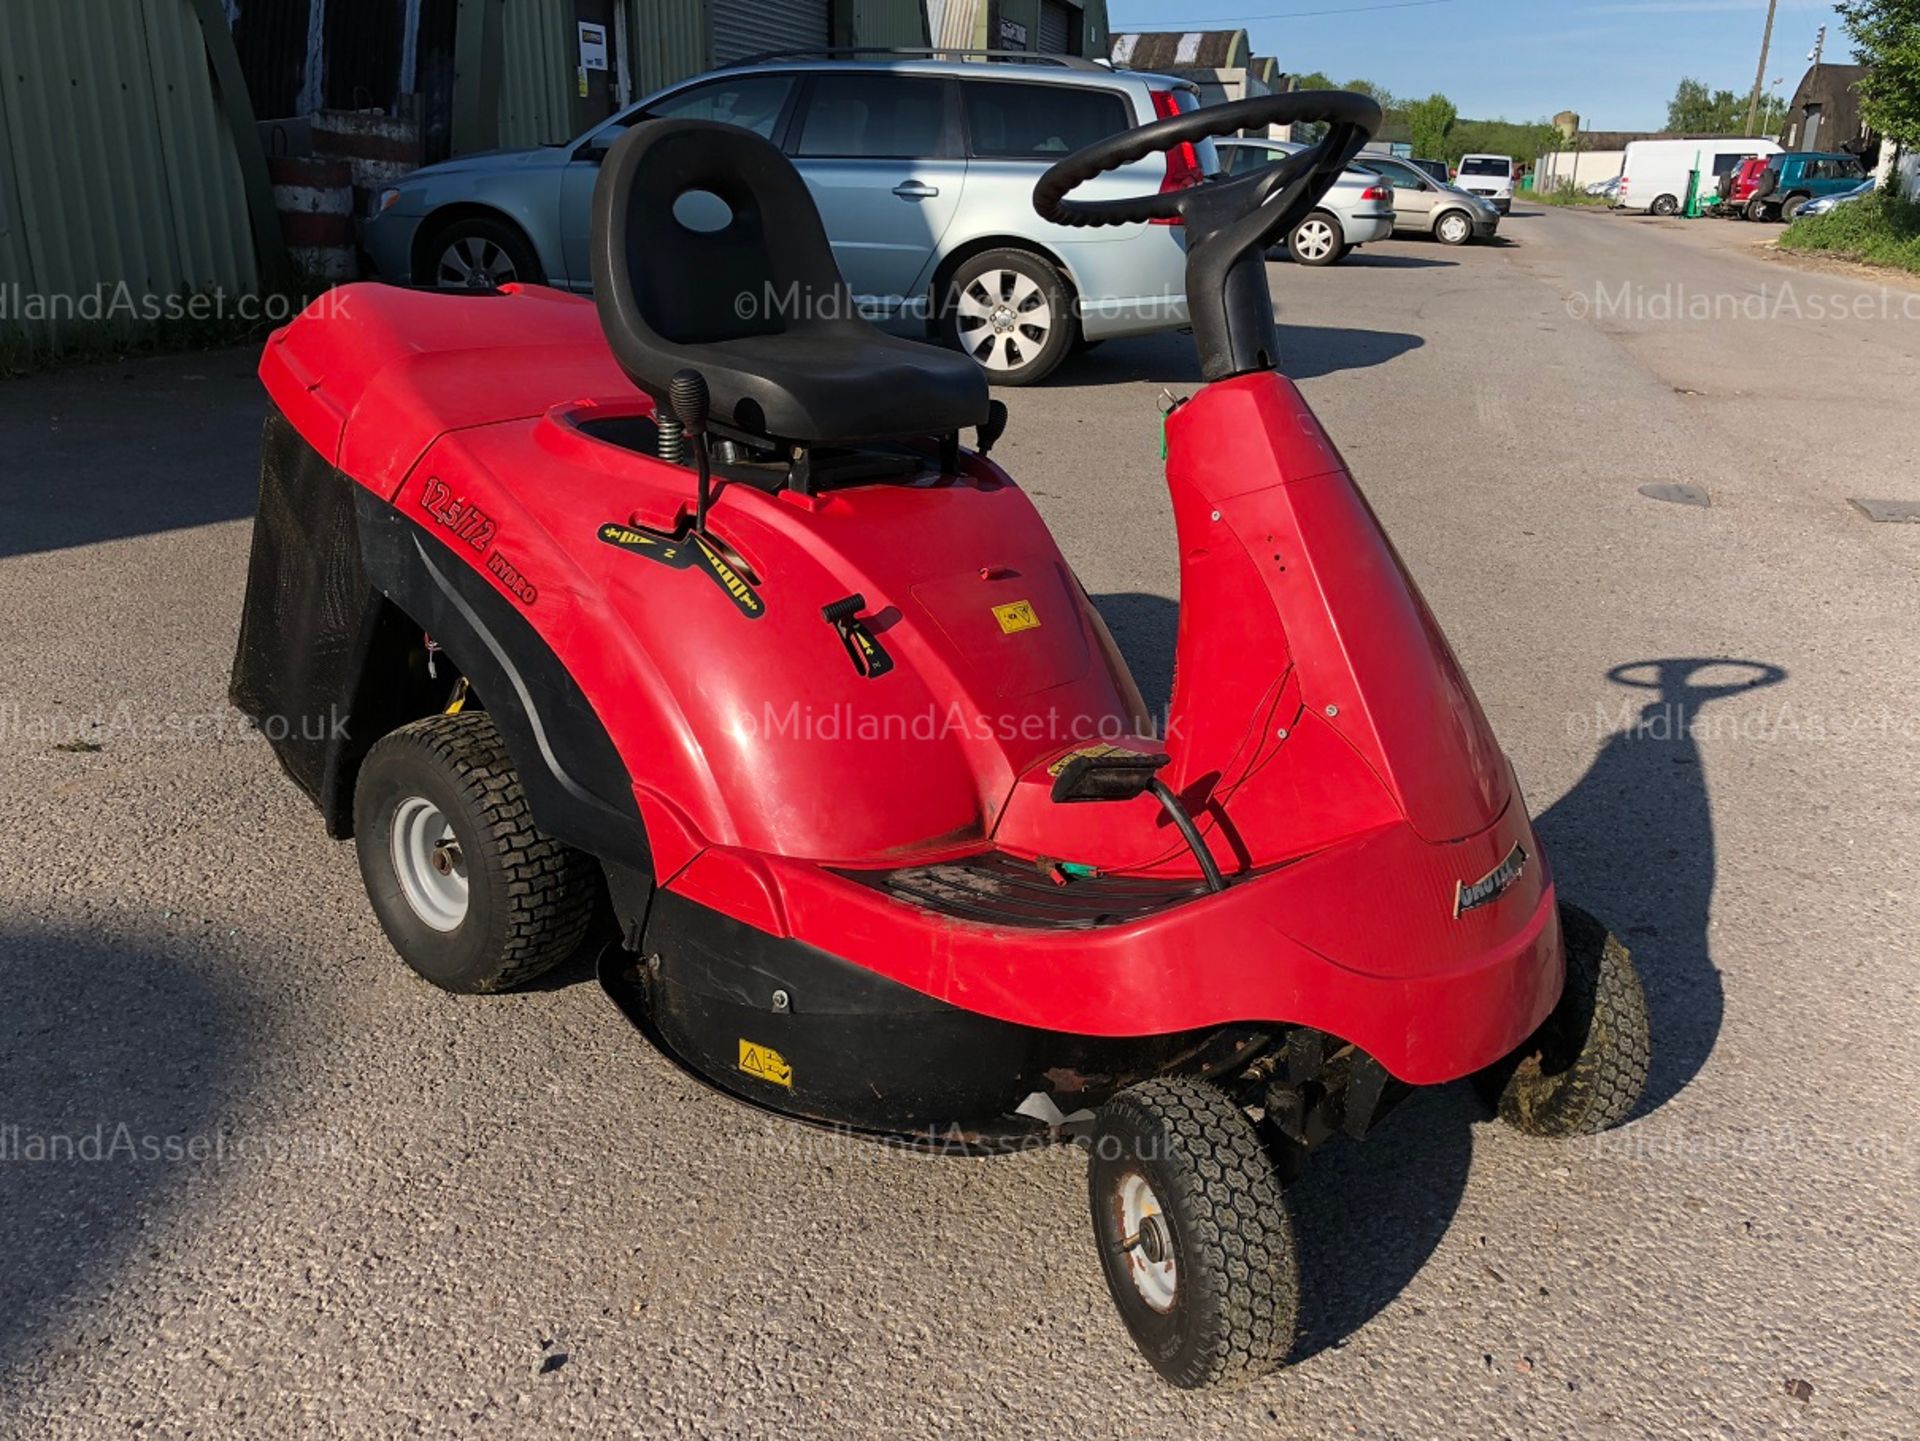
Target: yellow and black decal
[
  {"x": 1016, "y": 616},
  {"x": 764, "y": 1063},
  {"x": 690, "y": 552}
]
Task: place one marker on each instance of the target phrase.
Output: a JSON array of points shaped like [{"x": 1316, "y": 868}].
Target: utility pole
[{"x": 1760, "y": 78}]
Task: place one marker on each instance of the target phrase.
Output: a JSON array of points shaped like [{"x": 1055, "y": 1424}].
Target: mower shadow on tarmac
[
  {"x": 114, "y": 1061},
  {"x": 1636, "y": 835}
]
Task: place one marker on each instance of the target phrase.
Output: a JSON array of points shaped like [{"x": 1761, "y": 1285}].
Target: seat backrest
[{"x": 703, "y": 233}]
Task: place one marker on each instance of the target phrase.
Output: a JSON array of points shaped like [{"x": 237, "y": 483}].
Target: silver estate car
[
  {"x": 923, "y": 170},
  {"x": 1423, "y": 205},
  {"x": 1358, "y": 210}
]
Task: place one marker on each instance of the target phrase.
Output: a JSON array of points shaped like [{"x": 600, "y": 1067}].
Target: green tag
[{"x": 1163, "y": 434}]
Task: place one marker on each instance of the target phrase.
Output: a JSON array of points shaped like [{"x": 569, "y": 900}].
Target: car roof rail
[{"x": 922, "y": 52}]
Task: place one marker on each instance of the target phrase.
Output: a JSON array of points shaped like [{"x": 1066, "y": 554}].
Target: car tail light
[
  {"x": 1183, "y": 161},
  {"x": 1374, "y": 192}
]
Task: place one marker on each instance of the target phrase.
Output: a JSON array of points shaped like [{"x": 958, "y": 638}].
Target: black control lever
[
  {"x": 688, "y": 395},
  {"x": 869, "y": 657}
]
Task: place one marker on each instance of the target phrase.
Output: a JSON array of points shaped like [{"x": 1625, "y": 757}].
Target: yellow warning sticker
[
  {"x": 1016, "y": 616},
  {"x": 765, "y": 1064}
]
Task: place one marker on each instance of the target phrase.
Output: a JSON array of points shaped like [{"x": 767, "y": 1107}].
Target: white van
[
  {"x": 1656, "y": 173},
  {"x": 1490, "y": 177}
]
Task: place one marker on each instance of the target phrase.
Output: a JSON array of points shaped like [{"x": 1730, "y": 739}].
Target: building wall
[
  {"x": 117, "y": 168},
  {"x": 1580, "y": 168},
  {"x": 974, "y": 24},
  {"x": 538, "y": 52},
  {"x": 901, "y": 23},
  {"x": 668, "y": 41}
]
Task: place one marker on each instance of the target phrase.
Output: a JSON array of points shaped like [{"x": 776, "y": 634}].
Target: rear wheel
[
  {"x": 1010, "y": 310},
  {"x": 1454, "y": 228},
  {"x": 1756, "y": 209},
  {"x": 1665, "y": 205},
  {"x": 471, "y": 895},
  {"x": 1194, "y": 1233},
  {"x": 475, "y": 253},
  {"x": 1795, "y": 204},
  {"x": 1583, "y": 1071},
  {"x": 1317, "y": 240}
]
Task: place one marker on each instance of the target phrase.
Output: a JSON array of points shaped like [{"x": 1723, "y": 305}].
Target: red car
[{"x": 1738, "y": 186}]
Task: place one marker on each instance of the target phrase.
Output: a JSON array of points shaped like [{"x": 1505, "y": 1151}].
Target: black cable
[{"x": 1190, "y": 833}]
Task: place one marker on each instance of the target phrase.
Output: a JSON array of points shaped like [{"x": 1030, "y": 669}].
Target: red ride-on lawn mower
[{"x": 698, "y": 608}]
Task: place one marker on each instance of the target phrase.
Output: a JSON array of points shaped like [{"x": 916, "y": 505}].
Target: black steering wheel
[{"x": 1230, "y": 224}]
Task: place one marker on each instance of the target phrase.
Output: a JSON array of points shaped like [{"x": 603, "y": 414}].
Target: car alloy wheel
[
  {"x": 474, "y": 262},
  {"x": 1005, "y": 319},
  {"x": 1314, "y": 241},
  {"x": 1455, "y": 228}
]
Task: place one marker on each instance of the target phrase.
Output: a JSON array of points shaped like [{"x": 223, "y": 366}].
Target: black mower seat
[{"x": 752, "y": 299}]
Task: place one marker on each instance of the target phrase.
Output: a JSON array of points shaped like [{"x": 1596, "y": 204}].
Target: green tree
[
  {"x": 1429, "y": 122},
  {"x": 1379, "y": 93},
  {"x": 1886, "y": 35},
  {"x": 1525, "y": 143},
  {"x": 1696, "y": 110}
]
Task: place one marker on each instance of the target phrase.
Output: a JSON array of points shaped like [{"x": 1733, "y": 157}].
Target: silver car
[
  {"x": 1844, "y": 197},
  {"x": 1423, "y": 205},
  {"x": 923, "y": 171},
  {"x": 1358, "y": 210}
]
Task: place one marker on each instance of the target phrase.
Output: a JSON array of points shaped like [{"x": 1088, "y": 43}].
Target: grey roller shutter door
[
  {"x": 742, "y": 28},
  {"x": 1056, "y": 28}
]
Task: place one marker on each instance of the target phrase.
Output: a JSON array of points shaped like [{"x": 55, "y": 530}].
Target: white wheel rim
[
  {"x": 1150, "y": 1262},
  {"x": 1454, "y": 227},
  {"x": 429, "y": 865},
  {"x": 1005, "y": 319},
  {"x": 1313, "y": 239},
  {"x": 475, "y": 263}
]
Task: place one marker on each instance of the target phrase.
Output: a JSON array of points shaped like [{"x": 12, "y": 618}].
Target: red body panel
[{"x": 1321, "y": 731}]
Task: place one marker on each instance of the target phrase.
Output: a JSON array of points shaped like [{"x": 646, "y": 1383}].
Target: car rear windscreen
[
  {"x": 1502, "y": 168},
  {"x": 1011, "y": 121}
]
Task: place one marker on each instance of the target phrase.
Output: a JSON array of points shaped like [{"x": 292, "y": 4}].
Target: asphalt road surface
[{"x": 319, "y": 1198}]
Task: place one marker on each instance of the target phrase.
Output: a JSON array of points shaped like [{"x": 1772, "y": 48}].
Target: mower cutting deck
[{"x": 718, "y": 620}]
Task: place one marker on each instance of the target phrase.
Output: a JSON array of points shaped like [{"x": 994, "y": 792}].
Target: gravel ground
[{"x": 317, "y": 1198}]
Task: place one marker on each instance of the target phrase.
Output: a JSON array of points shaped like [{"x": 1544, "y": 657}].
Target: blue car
[{"x": 923, "y": 171}]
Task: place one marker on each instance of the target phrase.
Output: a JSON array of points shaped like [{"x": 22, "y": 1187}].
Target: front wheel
[
  {"x": 1317, "y": 240},
  {"x": 471, "y": 895},
  {"x": 1194, "y": 1233},
  {"x": 1454, "y": 228},
  {"x": 1756, "y": 210},
  {"x": 1584, "y": 1070},
  {"x": 1011, "y": 311}
]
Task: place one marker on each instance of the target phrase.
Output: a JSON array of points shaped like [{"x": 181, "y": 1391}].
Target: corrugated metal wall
[
  {"x": 668, "y": 41},
  {"x": 672, "y": 39},
  {"x": 745, "y": 28},
  {"x": 538, "y": 55},
  {"x": 885, "y": 22},
  {"x": 120, "y": 169}
]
